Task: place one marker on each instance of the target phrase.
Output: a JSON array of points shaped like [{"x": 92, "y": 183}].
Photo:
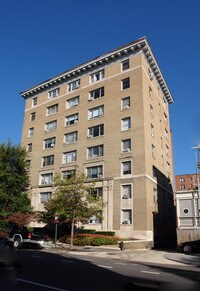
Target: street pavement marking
[
  {"x": 123, "y": 264},
  {"x": 149, "y": 272},
  {"x": 42, "y": 285},
  {"x": 38, "y": 257},
  {"x": 103, "y": 266}
]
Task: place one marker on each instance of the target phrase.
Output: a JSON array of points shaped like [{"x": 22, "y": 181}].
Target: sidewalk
[{"x": 134, "y": 255}]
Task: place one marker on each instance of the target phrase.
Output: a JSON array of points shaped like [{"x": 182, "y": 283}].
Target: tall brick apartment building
[{"x": 109, "y": 117}]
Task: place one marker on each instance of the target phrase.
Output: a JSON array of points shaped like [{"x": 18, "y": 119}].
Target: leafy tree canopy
[
  {"x": 73, "y": 198},
  {"x": 14, "y": 180}
]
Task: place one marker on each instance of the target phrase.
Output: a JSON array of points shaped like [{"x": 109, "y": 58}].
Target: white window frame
[
  {"x": 126, "y": 123},
  {"x": 71, "y": 119},
  {"x": 29, "y": 147},
  {"x": 97, "y": 172},
  {"x": 95, "y": 151},
  {"x": 52, "y": 109},
  {"x": 125, "y": 103},
  {"x": 68, "y": 173},
  {"x": 96, "y": 94},
  {"x": 126, "y": 145},
  {"x": 125, "y": 65},
  {"x": 49, "y": 143},
  {"x": 126, "y": 191},
  {"x": 125, "y": 83},
  {"x": 50, "y": 126},
  {"x": 69, "y": 157},
  {"x": 53, "y": 93},
  {"x": 45, "y": 196},
  {"x": 128, "y": 165},
  {"x": 96, "y": 112},
  {"x": 31, "y": 132},
  {"x": 92, "y": 131},
  {"x": 48, "y": 161},
  {"x": 34, "y": 101},
  {"x": 72, "y": 102},
  {"x": 46, "y": 179},
  {"x": 126, "y": 216},
  {"x": 71, "y": 137},
  {"x": 72, "y": 86},
  {"x": 97, "y": 76},
  {"x": 32, "y": 116}
]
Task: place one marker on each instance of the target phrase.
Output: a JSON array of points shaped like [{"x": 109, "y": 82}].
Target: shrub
[
  {"x": 85, "y": 230},
  {"x": 91, "y": 240},
  {"x": 109, "y": 233}
]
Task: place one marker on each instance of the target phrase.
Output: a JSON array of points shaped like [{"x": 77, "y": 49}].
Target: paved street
[{"x": 104, "y": 268}]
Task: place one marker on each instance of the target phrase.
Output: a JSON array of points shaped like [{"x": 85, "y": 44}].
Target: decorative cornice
[{"x": 135, "y": 46}]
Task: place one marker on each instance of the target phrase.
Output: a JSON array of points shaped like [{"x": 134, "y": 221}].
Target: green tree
[
  {"x": 14, "y": 180},
  {"x": 73, "y": 199}
]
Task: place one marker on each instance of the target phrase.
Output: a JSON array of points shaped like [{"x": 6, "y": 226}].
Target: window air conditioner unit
[
  {"x": 126, "y": 150},
  {"x": 125, "y": 222},
  {"x": 89, "y": 136},
  {"x": 52, "y": 145},
  {"x": 125, "y": 197},
  {"x": 126, "y": 107},
  {"x": 90, "y": 98}
]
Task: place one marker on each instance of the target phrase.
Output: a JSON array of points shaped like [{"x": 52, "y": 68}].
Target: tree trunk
[{"x": 72, "y": 229}]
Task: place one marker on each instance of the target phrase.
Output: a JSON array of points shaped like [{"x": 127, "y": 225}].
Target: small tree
[
  {"x": 14, "y": 181},
  {"x": 73, "y": 198}
]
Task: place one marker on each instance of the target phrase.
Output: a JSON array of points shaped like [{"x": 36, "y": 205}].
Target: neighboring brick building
[
  {"x": 186, "y": 182},
  {"x": 108, "y": 116}
]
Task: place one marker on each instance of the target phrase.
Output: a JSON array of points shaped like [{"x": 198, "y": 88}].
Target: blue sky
[{"x": 42, "y": 38}]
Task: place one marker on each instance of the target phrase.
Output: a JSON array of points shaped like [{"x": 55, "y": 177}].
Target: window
[
  {"x": 126, "y": 168},
  {"x": 126, "y": 103},
  {"x": 126, "y": 145},
  {"x": 49, "y": 143},
  {"x": 32, "y": 117},
  {"x": 152, "y": 130},
  {"x": 97, "y": 192},
  {"x": 151, "y": 111},
  {"x": 97, "y": 76},
  {"x": 46, "y": 179},
  {"x": 182, "y": 180},
  {"x": 126, "y": 216},
  {"x": 95, "y": 112},
  {"x": 69, "y": 157},
  {"x": 165, "y": 117},
  {"x": 167, "y": 150},
  {"x": 95, "y": 219},
  {"x": 31, "y": 132},
  {"x": 182, "y": 187},
  {"x": 52, "y": 125},
  {"x": 45, "y": 196},
  {"x": 53, "y": 93},
  {"x": 125, "y": 83},
  {"x": 52, "y": 109},
  {"x": 168, "y": 168},
  {"x": 96, "y": 151},
  {"x": 126, "y": 123},
  {"x": 29, "y": 147},
  {"x": 71, "y": 119},
  {"x": 150, "y": 92},
  {"x": 73, "y": 102},
  {"x": 34, "y": 101},
  {"x": 73, "y": 85},
  {"x": 96, "y": 131},
  {"x": 126, "y": 191},
  {"x": 48, "y": 161},
  {"x": 68, "y": 174},
  {"x": 71, "y": 137},
  {"x": 125, "y": 65},
  {"x": 94, "y": 172},
  {"x": 153, "y": 150},
  {"x": 97, "y": 93},
  {"x": 166, "y": 134}
]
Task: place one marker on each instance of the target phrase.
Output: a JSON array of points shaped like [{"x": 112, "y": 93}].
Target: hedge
[{"x": 90, "y": 239}]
